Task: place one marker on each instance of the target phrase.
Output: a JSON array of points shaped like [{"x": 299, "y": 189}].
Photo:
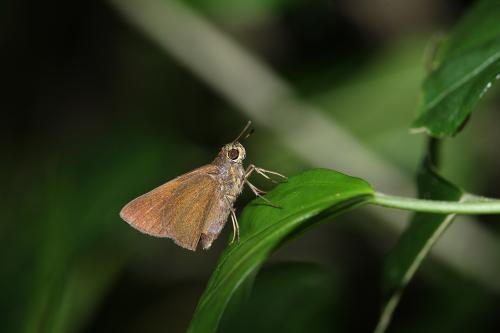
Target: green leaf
[
  {"x": 302, "y": 297},
  {"x": 467, "y": 66},
  {"x": 305, "y": 200},
  {"x": 416, "y": 242}
]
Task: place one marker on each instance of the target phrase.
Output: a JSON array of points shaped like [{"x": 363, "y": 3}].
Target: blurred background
[{"x": 103, "y": 101}]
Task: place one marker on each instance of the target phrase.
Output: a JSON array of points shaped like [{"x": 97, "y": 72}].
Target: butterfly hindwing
[{"x": 192, "y": 206}]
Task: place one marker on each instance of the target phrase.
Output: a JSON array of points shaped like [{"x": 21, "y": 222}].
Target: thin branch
[{"x": 471, "y": 205}]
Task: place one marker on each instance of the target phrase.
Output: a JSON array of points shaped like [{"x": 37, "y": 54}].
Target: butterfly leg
[
  {"x": 236, "y": 227},
  {"x": 234, "y": 220},
  {"x": 264, "y": 173},
  {"x": 259, "y": 193}
]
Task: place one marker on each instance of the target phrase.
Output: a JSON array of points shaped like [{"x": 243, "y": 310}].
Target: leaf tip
[{"x": 416, "y": 129}]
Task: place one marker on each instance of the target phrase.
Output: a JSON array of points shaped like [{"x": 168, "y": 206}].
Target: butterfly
[{"x": 195, "y": 206}]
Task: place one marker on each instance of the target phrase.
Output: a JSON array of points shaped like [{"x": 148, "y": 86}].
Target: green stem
[{"x": 469, "y": 205}]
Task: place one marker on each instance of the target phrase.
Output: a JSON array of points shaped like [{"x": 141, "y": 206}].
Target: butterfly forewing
[{"x": 146, "y": 213}]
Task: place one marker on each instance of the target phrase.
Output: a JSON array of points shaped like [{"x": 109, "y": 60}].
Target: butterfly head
[{"x": 234, "y": 152}]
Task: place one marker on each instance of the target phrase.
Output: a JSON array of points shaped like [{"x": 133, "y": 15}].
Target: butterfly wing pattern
[{"x": 180, "y": 209}]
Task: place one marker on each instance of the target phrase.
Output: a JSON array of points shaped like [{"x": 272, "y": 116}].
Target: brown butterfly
[{"x": 195, "y": 206}]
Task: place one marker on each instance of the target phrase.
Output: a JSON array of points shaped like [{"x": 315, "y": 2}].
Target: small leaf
[
  {"x": 468, "y": 65},
  {"x": 305, "y": 200},
  {"x": 416, "y": 242}
]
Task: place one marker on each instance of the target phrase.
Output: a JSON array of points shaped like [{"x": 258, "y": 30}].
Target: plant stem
[{"x": 469, "y": 205}]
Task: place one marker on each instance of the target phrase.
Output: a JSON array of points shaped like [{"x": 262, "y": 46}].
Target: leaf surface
[
  {"x": 468, "y": 64},
  {"x": 305, "y": 200}
]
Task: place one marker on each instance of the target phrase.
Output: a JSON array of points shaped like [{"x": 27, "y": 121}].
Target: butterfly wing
[
  {"x": 146, "y": 213},
  {"x": 192, "y": 207}
]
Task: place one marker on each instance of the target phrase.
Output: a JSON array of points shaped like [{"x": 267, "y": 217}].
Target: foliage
[
  {"x": 304, "y": 200},
  {"x": 466, "y": 68},
  {"x": 416, "y": 242}
]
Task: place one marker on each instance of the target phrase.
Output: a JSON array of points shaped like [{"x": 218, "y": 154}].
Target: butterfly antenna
[{"x": 245, "y": 133}]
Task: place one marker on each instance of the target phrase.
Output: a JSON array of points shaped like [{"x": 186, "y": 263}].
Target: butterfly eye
[{"x": 233, "y": 154}]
